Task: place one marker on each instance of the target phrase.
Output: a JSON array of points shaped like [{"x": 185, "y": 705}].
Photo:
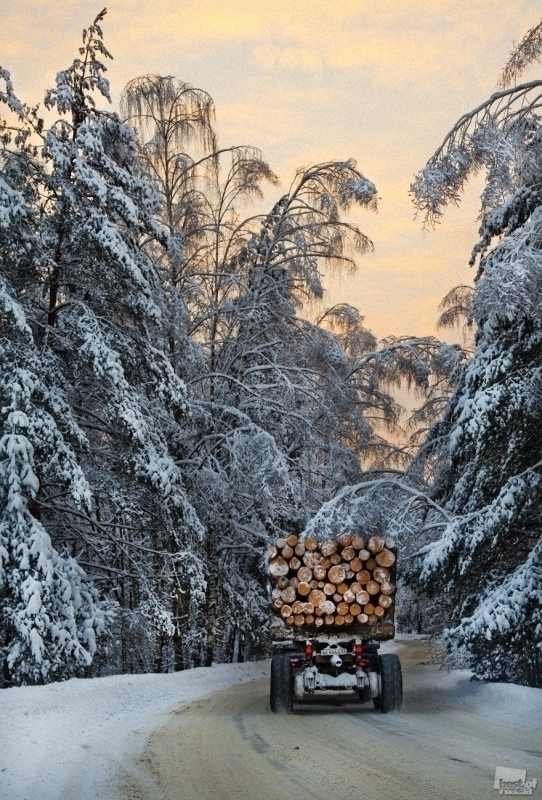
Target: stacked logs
[{"x": 332, "y": 583}]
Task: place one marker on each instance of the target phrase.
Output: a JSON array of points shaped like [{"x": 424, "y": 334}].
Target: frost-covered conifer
[
  {"x": 90, "y": 399},
  {"x": 487, "y": 560}
]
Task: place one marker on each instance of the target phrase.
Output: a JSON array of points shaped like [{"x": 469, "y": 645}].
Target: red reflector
[
  {"x": 308, "y": 650},
  {"x": 358, "y": 649}
]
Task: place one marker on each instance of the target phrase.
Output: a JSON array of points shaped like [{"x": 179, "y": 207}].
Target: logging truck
[{"x": 334, "y": 604}]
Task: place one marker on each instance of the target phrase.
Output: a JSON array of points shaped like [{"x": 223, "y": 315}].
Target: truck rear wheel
[
  {"x": 282, "y": 685},
  {"x": 391, "y": 693}
]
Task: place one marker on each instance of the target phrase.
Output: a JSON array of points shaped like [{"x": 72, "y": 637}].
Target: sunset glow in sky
[{"x": 307, "y": 81}]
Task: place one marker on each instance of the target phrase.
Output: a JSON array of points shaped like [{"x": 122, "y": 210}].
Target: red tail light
[
  {"x": 358, "y": 649},
  {"x": 308, "y": 650}
]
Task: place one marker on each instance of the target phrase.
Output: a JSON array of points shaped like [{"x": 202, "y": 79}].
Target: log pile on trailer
[{"x": 333, "y": 583}]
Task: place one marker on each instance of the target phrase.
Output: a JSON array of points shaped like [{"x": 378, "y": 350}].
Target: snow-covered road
[
  {"x": 444, "y": 746},
  {"x": 209, "y": 734}
]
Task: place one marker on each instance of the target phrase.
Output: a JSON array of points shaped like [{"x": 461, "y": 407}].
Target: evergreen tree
[
  {"x": 89, "y": 383},
  {"x": 487, "y": 562}
]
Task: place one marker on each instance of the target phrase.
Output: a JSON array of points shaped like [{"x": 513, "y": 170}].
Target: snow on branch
[
  {"x": 523, "y": 54},
  {"x": 487, "y": 136},
  {"x": 353, "y": 507}
]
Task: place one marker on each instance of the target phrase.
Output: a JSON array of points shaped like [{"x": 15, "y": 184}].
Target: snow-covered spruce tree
[
  {"x": 487, "y": 562},
  {"x": 85, "y": 292},
  {"x": 49, "y": 612}
]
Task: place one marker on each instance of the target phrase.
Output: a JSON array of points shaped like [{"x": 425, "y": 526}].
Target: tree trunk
[{"x": 212, "y": 598}]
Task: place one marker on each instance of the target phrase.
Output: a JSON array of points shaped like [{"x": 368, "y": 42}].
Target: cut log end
[
  {"x": 375, "y": 544},
  {"x": 287, "y": 552},
  {"x": 328, "y": 548},
  {"x": 279, "y": 567},
  {"x": 336, "y": 575},
  {"x": 288, "y": 595},
  {"x": 385, "y": 559},
  {"x": 348, "y": 553},
  {"x": 358, "y": 542},
  {"x": 304, "y": 574}
]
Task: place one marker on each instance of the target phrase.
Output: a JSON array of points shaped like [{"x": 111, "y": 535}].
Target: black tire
[
  {"x": 282, "y": 685},
  {"x": 391, "y": 691}
]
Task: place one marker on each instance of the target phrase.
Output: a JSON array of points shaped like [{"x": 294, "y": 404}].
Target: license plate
[{"x": 331, "y": 651}]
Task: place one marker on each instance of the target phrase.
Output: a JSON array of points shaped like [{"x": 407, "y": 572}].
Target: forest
[{"x": 175, "y": 394}]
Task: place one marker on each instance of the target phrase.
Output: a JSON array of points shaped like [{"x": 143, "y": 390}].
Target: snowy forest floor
[{"x": 209, "y": 733}]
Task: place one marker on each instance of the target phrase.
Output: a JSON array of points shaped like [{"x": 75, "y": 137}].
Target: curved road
[{"x": 230, "y": 747}]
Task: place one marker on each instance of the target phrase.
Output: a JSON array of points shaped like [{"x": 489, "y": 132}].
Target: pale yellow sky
[{"x": 311, "y": 80}]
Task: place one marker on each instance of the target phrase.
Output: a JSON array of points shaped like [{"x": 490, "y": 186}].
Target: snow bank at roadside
[
  {"x": 502, "y": 703},
  {"x": 67, "y": 740}
]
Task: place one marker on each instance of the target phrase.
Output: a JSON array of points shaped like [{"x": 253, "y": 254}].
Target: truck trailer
[{"x": 333, "y": 603}]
